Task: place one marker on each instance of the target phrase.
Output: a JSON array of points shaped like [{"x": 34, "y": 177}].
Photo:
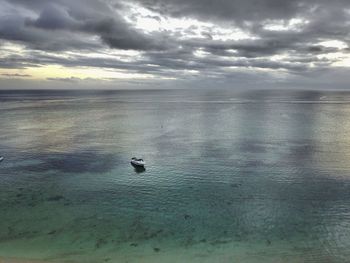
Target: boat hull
[{"x": 136, "y": 163}]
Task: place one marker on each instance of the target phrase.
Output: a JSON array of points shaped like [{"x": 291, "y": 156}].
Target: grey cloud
[
  {"x": 53, "y": 17},
  {"x": 15, "y": 75},
  {"x": 325, "y": 20},
  {"x": 16, "y": 29},
  {"x": 75, "y": 22},
  {"x": 117, "y": 34},
  {"x": 240, "y": 11},
  {"x": 74, "y": 80},
  {"x": 71, "y": 79}
]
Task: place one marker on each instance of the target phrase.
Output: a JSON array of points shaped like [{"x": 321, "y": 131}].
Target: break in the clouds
[{"x": 174, "y": 43}]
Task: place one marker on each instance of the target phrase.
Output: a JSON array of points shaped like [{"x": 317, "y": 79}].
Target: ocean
[{"x": 230, "y": 176}]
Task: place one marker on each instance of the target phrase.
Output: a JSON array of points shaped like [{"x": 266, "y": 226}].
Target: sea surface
[{"x": 254, "y": 176}]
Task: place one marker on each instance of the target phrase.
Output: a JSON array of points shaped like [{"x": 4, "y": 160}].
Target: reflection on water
[
  {"x": 258, "y": 176},
  {"x": 138, "y": 169}
]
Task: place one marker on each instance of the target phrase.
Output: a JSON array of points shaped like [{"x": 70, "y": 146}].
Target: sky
[{"x": 161, "y": 44}]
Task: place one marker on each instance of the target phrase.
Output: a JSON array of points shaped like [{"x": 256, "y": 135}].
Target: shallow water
[{"x": 259, "y": 176}]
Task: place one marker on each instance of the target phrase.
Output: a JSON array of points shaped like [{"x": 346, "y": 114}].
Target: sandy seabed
[{"x": 201, "y": 253}]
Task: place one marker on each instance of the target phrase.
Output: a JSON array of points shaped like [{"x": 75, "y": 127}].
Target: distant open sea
[{"x": 255, "y": 176}]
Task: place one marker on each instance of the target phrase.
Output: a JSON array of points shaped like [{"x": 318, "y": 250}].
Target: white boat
[
  {"x": 1, "y": 158},
  {"x": 137, "y": 162}
]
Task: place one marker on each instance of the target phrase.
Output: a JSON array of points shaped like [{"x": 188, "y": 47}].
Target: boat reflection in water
[{"x": 138, "y": 169}]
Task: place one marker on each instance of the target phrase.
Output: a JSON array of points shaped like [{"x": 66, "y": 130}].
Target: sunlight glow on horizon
[{"x": 61, "y": 72}]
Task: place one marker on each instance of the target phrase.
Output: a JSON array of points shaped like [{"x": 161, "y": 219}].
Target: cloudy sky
[{"x": 174, "y": 44}]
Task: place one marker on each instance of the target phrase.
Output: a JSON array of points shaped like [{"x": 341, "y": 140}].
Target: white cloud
[
  {"x": 334, "y": 43},
  {"x": 294, "y": 24}
]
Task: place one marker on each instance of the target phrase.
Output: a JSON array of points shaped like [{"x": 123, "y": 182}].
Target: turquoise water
[{"x": 259, "y": 176}]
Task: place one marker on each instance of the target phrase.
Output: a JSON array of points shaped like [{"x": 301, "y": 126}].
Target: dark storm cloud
[
  {"x": 325, "y": 20},
  {"x": 118, "y": 34},
  {"x": 242, "y": 11},
  {"x": 54, "y": 17},
  {"x": 226, "y": 10},
  {"x": 47, "y": 27},
  {"x": 63, "y": 25}
]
